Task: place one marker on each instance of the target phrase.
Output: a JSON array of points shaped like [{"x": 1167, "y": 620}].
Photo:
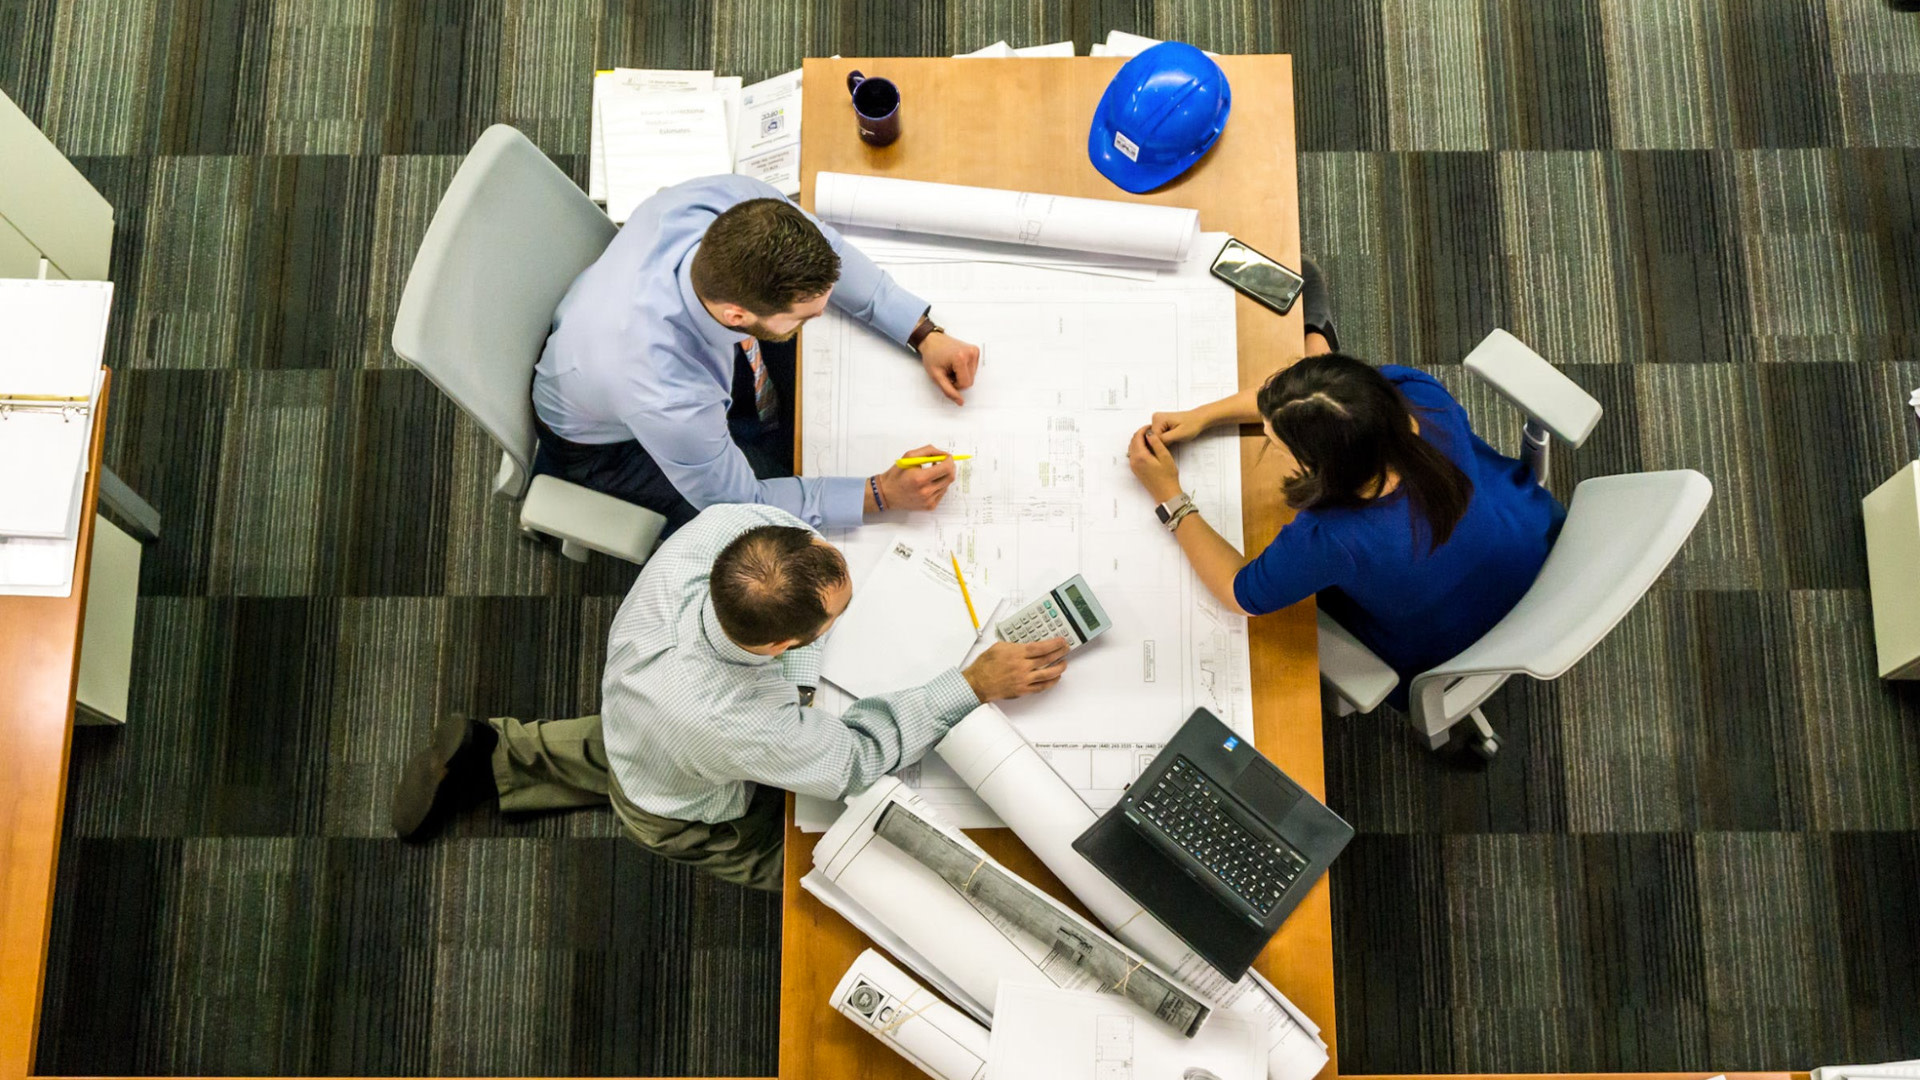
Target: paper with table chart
[
  {"x": 1033, "y": 219},
  {"x": 907, "y": 622},
  {"x": 889, "y": 1005},
  {"x": 1074, "y": 364},
  {"x": 1045, "y": 1033}
]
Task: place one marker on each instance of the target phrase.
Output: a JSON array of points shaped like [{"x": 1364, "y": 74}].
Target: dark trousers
[{"x": 626, "y": 471}]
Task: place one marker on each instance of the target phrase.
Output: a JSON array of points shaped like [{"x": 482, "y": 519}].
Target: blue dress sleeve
[{"x": 1300, "y": 562}]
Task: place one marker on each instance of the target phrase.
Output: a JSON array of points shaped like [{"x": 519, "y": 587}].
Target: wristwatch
[
  {"x": 1174, "y": 509},
  {"x": 926, "y": 329}
]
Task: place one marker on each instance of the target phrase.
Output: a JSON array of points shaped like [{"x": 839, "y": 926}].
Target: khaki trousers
[{"x": 557, "y": 764}]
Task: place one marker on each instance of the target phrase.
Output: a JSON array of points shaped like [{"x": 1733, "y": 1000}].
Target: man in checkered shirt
[{"x": 706, "y": 714}]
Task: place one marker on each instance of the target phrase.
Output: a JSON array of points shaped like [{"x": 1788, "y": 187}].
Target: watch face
[{"x": 1161, "y": 513}]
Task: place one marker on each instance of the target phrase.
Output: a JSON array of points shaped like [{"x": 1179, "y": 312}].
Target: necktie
[{"x": 766, "y": 396}]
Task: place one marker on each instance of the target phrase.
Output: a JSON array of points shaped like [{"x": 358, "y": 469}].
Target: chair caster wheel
[{"x": 1486, "y": 748}]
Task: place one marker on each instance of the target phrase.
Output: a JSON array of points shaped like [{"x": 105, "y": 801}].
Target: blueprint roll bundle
[
  {"x": 914, "y": 1023},
  {"x": 1045, "y": 813}
]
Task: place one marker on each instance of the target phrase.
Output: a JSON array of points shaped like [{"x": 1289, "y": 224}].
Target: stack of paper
[
  {"x": 655, "y": 128},
  {"x": 52, "y": 335}
]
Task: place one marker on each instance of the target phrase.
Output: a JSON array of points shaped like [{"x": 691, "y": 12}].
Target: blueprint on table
[{"x": 1073, "y": 363}]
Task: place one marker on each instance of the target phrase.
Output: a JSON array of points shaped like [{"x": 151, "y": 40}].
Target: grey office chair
[
  {"x": 509, "y": 237},
  {"x": 1620, "y": 534}
]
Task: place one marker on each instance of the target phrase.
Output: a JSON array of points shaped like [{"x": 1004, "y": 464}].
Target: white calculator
[{"x": 1068, "y": 610}]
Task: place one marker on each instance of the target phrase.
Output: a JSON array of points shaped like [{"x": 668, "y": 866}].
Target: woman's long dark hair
[{"x": 1349, "y": 428}]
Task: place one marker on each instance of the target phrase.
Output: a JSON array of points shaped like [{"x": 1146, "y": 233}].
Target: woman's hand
[
  {"x": 1177, "y": 427},
  {"x": 1152, "y": 465}
]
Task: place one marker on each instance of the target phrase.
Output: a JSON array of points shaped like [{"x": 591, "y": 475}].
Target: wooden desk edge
[{"x": 39, "y": 732}]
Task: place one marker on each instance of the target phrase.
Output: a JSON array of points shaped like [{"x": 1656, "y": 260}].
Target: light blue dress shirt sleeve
[
  {"x": 695, "y": 449},
  {"x": 870, "y": 294}
]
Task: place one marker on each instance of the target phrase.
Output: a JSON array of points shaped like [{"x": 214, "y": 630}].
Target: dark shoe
[
  {"x": 454, "y": 772},
  {"x": 1316, "y": 311}
]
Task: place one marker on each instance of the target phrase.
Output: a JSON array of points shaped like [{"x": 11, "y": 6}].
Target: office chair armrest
[
  {"x": 1352, "y": 669},
  {"x": 1535, "y": 387},
  {"x": 582, "y": 518}
]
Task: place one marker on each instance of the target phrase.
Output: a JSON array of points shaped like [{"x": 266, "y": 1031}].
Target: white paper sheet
[
  {"x": 1055, "y": 48},
  {"x": 655, "y": 140},
  {"x": 1069, "y": 375},
  {"x": 1165, "y": 233},
  {"x": 766, "y": 145},
  {"x": 1044, "y": 1033},
  {"x": 907, "y": 622},
  {"x": 998, "y": 49},
  {"x": 638, "y": 79},
  {"x": 989, "y": 756},
  {"x": 910, "y": 1020},
  {"x": 52, "y": 335},
  {"x": 1121, "y": 43}
]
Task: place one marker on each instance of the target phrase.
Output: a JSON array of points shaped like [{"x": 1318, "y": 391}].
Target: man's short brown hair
[
  {"x": 769, "y": 585},
  {"x": 765, "y": 255}
]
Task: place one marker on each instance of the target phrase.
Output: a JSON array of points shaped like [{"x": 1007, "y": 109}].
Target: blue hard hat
[{"x": 1160, "y": 114}]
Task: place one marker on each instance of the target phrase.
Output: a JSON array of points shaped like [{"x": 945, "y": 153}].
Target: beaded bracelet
[{"x": 873, "y": 485}]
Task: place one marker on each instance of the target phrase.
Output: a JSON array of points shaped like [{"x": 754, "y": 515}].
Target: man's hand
[
  {"x": 917, "y": 488},
  {"x": 1153, "y": 466},
  {"x": 1007, "y": 670},
  {"x": 1177, "y": 427},
  {"x": 950, "y": 363}
]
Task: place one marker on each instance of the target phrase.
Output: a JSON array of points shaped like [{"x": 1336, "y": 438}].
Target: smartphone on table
[{"x": 1257, "y": 275}]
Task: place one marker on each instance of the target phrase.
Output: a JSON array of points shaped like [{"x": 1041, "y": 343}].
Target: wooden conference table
[
  {"x": 39, "y": 669},
  {"x": 1023, "y": 124}
]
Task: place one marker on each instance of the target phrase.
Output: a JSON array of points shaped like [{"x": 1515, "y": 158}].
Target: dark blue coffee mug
[{"x": 876, "y": 108}]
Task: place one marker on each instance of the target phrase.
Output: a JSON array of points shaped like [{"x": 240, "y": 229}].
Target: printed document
[
  {"x": 1045, "y": 1033},
  {"x": 907, "y": 622},
  {"x": 766, "y": 144},
  {"x": 644, "y": 80},
  {"x": 656, "y": 140}
]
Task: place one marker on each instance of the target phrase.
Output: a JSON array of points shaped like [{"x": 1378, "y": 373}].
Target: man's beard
[{"x": 760, "y": 330}]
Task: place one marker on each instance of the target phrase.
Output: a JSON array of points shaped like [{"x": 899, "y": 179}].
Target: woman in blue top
[{"x": 1413, "y": 532}]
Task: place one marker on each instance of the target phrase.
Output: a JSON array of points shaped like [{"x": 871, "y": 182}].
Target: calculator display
[{"x": 1079, "y": 606}]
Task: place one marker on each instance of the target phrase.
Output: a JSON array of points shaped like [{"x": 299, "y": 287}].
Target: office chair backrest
[
  {"x": 509, "y": 237},
  {"x": 1620, "y": 533}
]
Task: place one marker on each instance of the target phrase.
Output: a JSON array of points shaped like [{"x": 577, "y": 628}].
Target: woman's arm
[
  {"x": 1215, "y": 560},
  {"x": 1175, "y": 427}
]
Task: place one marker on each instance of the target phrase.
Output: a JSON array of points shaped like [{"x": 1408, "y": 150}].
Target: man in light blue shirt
[{"x": 668, "y": 377}]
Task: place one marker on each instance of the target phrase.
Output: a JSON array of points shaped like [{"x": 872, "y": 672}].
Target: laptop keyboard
[{"x": 1187, "y": 806}]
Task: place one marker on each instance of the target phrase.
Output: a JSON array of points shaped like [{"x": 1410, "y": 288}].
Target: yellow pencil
[
  {"x": 911, "y": 462},
  {"x": 964, "y": 595}
]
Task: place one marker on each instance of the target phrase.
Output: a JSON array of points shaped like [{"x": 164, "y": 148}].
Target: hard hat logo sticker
[{"x": 1126, "y": 146}]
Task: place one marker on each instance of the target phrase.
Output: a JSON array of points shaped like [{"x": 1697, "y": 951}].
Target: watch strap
[{"x": 926, "y": 329}]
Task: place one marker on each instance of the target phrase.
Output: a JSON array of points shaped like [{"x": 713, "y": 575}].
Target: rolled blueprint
[
  {"x": 962, "y": 943},
  {"x": 910, "y": 1020},
  {"x": 1027, "y": 218},
  {"x": 1046, "y": 814},
  {"x": 1120, "y": 970}
]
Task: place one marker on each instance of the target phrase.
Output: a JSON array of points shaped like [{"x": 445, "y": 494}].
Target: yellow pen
[
  {"x": 964, "y": 595},
  {"x": 914, "y": 462}
]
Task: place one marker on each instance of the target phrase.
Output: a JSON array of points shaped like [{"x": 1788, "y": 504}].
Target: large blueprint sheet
[{"x": 1073, "y": 363}]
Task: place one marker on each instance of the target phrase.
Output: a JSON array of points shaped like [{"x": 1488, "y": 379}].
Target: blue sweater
[{"x": 1371, "y": 567}]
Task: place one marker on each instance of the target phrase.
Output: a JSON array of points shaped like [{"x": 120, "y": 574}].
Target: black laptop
[{"x": 1216, "y": 842}]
